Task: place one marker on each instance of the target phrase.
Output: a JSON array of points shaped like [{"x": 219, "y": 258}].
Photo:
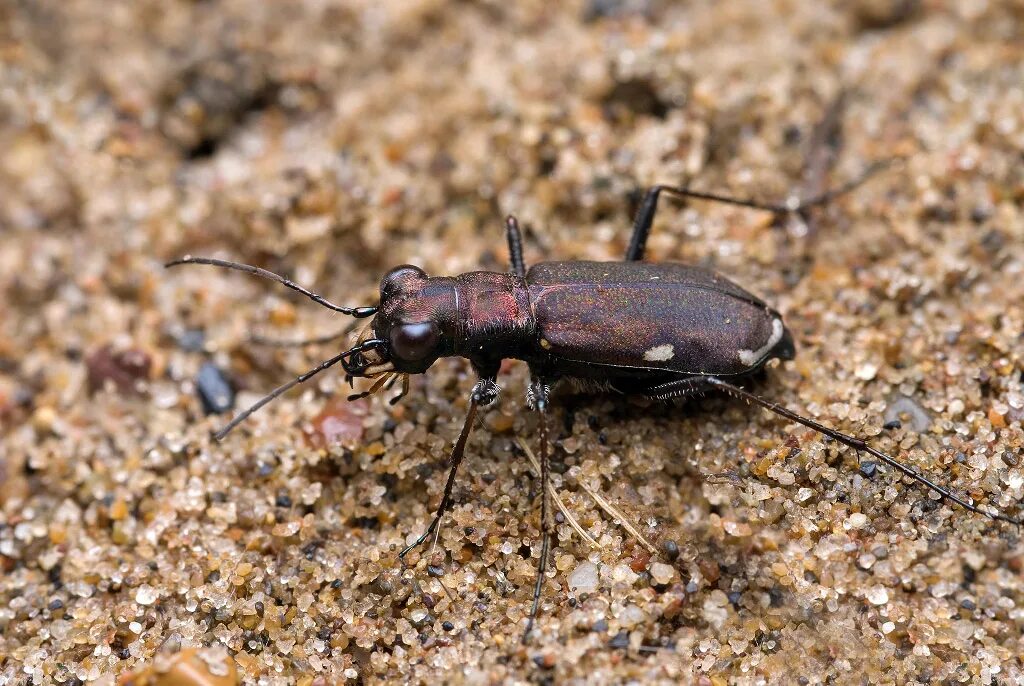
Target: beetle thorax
[{"x": 494, "y": 316}]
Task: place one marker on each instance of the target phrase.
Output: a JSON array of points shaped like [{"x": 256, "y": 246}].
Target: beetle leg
[
  {"x": 458, "y": 451},
  {"x": 692, "y": 384},
  {"x": 649, "y": 206},
  {"x": 539, "y": 391},
  {"x": 515, "y": 246},
  {"x": 484, "y": 393}
]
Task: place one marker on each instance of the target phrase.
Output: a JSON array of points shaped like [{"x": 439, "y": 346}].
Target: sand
[{"x": 333, "y": 140}]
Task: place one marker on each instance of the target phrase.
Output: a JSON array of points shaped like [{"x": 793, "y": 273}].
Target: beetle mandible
[{"x": 658, "y": 330}]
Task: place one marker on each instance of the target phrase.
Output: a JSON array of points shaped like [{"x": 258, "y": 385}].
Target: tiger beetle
[{"x": 656, "y": 330}]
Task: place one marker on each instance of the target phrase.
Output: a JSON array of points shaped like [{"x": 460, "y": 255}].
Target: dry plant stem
[{"x": 555, "y": 497}]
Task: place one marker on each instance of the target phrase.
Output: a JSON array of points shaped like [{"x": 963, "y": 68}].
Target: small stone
[
  {"x": 286, "y": 529},
  {"x": 124, "y": 368},
  {"x": 339, "y": 423},
  {"x": 919, "y": 418},
  {"x": 630, "y": 616},
  {"x": 119, "y": 510},
  {"x": 866, "y": 372},
  {"x": 146, "y": 595},
  {"x": 662, "y": 573},
  {"x": 304, "y": 602},
  {"x": 584, "y": 578},
  {"x": 857, "y": 520},
  {"x": 215, "y": 391},
  {"x": 738, "y": 529},
  {"x": 189, "y": 667},
  {"x": 877, "y": 595},
  {"x": 192, "y": 340},
  {"x": 621, "y": 640}
]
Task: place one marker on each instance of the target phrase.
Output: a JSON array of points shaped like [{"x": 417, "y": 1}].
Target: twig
[{"x": 554, "y": 496}]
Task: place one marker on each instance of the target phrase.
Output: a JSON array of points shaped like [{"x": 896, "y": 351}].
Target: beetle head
[{"x": 409, "y": 329}]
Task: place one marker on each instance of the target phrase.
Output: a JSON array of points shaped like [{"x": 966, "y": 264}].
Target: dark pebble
[
  {"x": 600, "y": 626},
  {"x": 734, "y": 598},
  {"x": 434, "y": 570},
  {"x": 447, "y": 626},
  {"x": 214, "y": 390},
  {"x": 894, "y": 424},
  {"x": 968, "y": 604},
  {"x": 56, "y": 604},
  {"x": 192, "y": 340},
  {"x": 427, "y": 620},
  {"x": 868, "y": 469},
  {"x": 1010, "y": 459},
  {"x": 283, "y": 500},
  {"x": 621, "y": 640},
  {"x": 671, "y": 549}
]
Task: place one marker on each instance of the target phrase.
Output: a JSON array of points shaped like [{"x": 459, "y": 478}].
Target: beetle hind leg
[
  {"x": 539, "y": 390},
  {"x": 695, "y": 384}
]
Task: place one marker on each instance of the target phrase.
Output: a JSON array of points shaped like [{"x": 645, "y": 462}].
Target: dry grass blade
[
  {"x": 554, "y": 496},
  {"x": 626, "y": 524}
]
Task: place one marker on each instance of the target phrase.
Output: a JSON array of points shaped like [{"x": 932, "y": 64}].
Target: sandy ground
[{"x": 333, "y": 140}]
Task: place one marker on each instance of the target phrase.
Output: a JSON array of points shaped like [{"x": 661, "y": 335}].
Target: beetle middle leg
[
  {"x": 690, "y": 385},
  {"x": 538, "y": 394}
]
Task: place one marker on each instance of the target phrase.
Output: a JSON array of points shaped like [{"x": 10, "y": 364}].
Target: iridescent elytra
[{"x": 657, "y": 330}]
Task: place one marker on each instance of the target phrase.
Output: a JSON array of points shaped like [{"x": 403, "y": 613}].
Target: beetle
[{"x": 661, "y": 330}]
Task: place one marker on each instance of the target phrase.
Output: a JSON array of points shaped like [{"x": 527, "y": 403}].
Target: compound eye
[{"x": 414, "y": 342}]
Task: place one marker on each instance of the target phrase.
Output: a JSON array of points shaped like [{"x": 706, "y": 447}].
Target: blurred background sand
[{"x": 333, "y": 140}]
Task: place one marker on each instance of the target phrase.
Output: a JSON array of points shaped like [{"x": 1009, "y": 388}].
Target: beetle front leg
[
  {"x": 484, "y": 393},
  {"x": 539, "y": 391}
]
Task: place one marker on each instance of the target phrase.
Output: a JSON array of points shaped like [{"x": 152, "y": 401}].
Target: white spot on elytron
[
  {"x": 660, "y": 353},
  {"x": 750, "y": 357}
]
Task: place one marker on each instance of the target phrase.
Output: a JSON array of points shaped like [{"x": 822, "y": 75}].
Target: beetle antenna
[
  {"x": 358, "y": 312},
  {"x": 858, "y": 445},
  {"x": 284, "y": 388}
]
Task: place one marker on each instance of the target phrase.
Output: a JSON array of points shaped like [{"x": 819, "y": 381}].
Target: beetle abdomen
[{"x": 669, "y": 317}]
